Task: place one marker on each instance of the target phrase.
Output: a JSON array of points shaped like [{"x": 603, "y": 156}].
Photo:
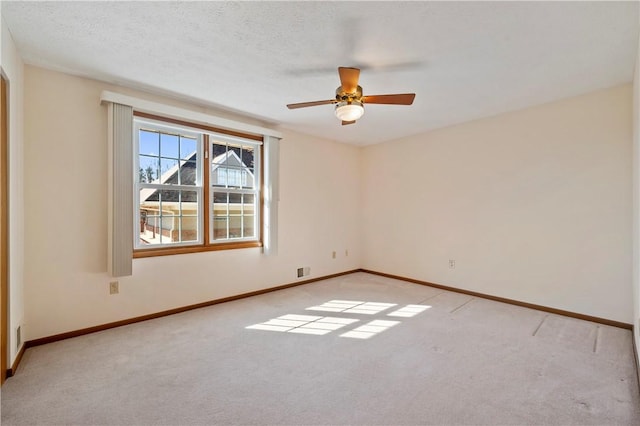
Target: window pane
[
  {"x": 219, "y": 176},
  {"x": 248, "y": 156},
  {"x": 248, "y": 206},
  {"x": 220, "y": 197},
  {"x": 189, "y": 229},
  {"x": 249, "y": 226},
  {"x": 235, "y": 199},
  {"x": 220, "y": 228},
  {"x": 248, "y": 211},
  {"x": 248, "y": 159},
  {"x": 149, "y": 227},
  {"x": 233, "y": 216},
  {"x": 235, "y": 226},
  {"x": 169, "y": 145},
  {"x": 221, "y": 208},
  {"x": 188, "y": 173},
  {"x": 232, "y": 166},
  {"x": 189, "y": 203},
  {"x": 188, "y": 148},
  {"x": 248, "y": 179},
  {"x": 155, "y": 229},
  {"x": 168, "y": 171},
  {"x": 168, "y": 216},
  {"x": 168, "y": 226},
  {"x": 148, "y": 143},
  {"x": 234, "y": 177},
  {"x": 148, "y": 168},
  {"x": 219, "y": 154}
]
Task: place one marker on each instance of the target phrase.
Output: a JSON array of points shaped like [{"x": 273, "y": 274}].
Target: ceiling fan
[{"x": 350, "y": 101}]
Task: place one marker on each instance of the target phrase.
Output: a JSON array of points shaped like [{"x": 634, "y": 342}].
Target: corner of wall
[
  {"x": 13, "y": 68},
  {"x": 636, "y": 205}
]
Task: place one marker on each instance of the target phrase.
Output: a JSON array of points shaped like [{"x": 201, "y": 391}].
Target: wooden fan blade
[
  {"x": 349, "y": 79},
  {"x": 399, "y": 99},
  {"x": 309, "y": 104},
  {"x": 344, "y": 123}
]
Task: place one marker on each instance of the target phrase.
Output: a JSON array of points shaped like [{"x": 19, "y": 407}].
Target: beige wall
[
  {"x": 533, "y": 205},
  {"x": 13, "y": 68},
  {"x": 66, "y": 280},
  {"x": 636, "y": 200}
]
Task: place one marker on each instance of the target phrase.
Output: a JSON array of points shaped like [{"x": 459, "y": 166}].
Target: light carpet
[{"x": 371, "y": 350}]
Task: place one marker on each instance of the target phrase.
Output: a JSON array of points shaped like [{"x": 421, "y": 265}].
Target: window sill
[{"x": 168, "y": 251}]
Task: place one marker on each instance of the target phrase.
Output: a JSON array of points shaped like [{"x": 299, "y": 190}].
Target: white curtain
[
  {"x": 271, "y": 194},
  {"x": 120, "y": 204}
]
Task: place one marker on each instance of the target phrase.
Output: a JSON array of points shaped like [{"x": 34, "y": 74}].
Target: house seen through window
[
  {"x": 234, "y": 189},
  {"x": 194, "y": 187}
]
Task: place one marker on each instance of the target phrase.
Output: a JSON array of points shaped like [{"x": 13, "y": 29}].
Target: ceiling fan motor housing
[
  {"x": 342, "y": 96},
  {"x": 349, "y": 106}
]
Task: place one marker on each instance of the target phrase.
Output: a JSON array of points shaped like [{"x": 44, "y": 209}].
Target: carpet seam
[
  {"x": 541, "y": 308},
  {"x": 540, "y": 325},
  {"x": 463, "y": 305}
]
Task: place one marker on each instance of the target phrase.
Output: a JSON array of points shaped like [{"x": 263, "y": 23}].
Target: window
[
  {"x": 169, "y": 185},
  {"x": 145, "y": 196},
  {"x": 196, "y": 189},
  {"x": 234, "y": 188}
]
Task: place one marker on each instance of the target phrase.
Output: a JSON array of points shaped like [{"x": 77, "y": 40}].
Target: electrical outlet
[
  {"x": 333, "y": 254},
  {"x": 452, "y": 264},
  {"x": 114, "y": 287},
  {"x": 300, "y": 272},
  {"x": 346, "y": 253}
]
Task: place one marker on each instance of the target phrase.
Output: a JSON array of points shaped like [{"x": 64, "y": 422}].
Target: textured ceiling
[{"x": 464, "y": 60}]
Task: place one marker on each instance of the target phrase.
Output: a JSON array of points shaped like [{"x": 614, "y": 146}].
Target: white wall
[
  {"x": 65, "y": 205},
  {"x": 13, "y": 69},
  {"x": 533, "y": 205}
]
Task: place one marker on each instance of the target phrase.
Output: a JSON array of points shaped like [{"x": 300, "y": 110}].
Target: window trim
[
  {"x": 187, "y": 115},
  {"x": 204, "y": 210},
  {"x": 196, "y": 125}
]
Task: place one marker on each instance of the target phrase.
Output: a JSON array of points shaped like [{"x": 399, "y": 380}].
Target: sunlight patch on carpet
[
  {"x": 303, "y": 324},
  {"x": 409, "y": 311},
  {"x": 320, "y": 325},
  {"x": 352, "y": 306}
]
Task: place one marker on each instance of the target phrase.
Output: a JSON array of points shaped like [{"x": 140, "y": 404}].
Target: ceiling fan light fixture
[{"x": 346, "y": 111}]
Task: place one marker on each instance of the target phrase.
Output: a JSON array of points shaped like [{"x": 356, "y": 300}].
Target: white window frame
[
  {"x": 140, "y": 124},
  {"x": 256, "y": 191}
]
